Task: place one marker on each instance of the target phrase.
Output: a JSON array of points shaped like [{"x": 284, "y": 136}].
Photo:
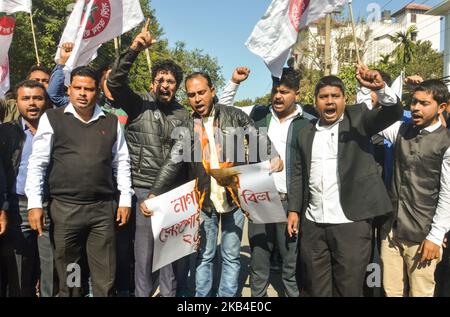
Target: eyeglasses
[{"x": 168, "y": 81}]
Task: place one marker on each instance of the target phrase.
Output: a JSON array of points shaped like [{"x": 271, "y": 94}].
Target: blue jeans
[{"x": 231, "y": 225}]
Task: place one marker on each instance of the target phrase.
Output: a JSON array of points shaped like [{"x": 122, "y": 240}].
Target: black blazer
[{"x": 362, "y": 192}]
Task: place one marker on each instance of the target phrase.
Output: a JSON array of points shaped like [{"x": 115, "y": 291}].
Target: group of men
[{"x": 73, "y": 180}]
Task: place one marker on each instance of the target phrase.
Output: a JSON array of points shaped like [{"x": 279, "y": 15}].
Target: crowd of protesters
[{"x": 359, "y": 183}]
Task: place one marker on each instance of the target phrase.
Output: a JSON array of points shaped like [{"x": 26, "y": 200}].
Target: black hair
[
  {"x": 31, "y": 84},
  {"x": 436, "y": 88},
  {"x": 36, "y": 68},
  {"x": 200, "y": 74},
  {"x": 289, "y": 78},
  {"x": 86, "y": 71},
  {"x": 386, "y": 77},
  {"x": 168, "y": 65},
  {"x": 333, "y": 81}
]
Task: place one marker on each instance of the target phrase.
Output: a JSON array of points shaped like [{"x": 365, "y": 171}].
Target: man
[
  {"x": 413, "y": 236},
  {"x": 22, "y": 248},
  {"x": 151, "y": 119},
  {"x": 81, "y": 148},
  {"x": 336, "y": 188},
  {"x": 197, "y": 145},
  {"x": 10, "y": 111},
  {"x": 56, "y": 88},
  {"x": 40, "y": 74},
  {"x": 284, "y": 119},
  {"x": 57, "y": 93}
]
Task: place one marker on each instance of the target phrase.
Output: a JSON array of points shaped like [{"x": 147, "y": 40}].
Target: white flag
[
  {"x": 106, "y": 20},
  {"x": 6, "y": 34},
  {"x": 276, "y": 32},
  {"x": 397, "y": 86},
  {"x": 12, "y": 6}
]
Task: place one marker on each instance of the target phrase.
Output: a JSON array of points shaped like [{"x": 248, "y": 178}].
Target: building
[
  {"x": 373, "y": 37},
  {"x": 444, "y": 9}
]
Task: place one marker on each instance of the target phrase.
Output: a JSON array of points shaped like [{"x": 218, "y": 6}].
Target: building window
[
  {"x": 414, "y": 36},
  {"x": 413, "y": 18}
]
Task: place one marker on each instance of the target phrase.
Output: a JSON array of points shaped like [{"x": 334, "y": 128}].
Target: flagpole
[
  {"x": 350, "y": 11},
  {"x": 34, "y": 39},
  {"x": 117, "y": 46},
  {"x": 147, "y": 51}
]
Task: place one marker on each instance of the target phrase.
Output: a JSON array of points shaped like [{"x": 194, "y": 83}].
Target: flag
[
  {"x": 106, "y": 20},
  {"x": 397, "y": 85},
  {"x": 12, "y": 6},
  {"x": 6, "y": 34},
  {"x": 276, "y": 32}
]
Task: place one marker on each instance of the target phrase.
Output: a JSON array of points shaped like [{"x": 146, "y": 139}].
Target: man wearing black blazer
[{"x": 335, "y": 186}]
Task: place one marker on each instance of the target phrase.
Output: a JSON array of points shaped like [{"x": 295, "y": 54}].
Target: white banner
[
  {"x": 397, "y": 86},
  {"x": 256, "y": 191},
  {"x": 6, "y": 34},
  {"x": 12, "y": 6},
  {"x": 174, "y": 224},
  {"x": 276, "y": 32},
  {"x": 106, "y": 20}
]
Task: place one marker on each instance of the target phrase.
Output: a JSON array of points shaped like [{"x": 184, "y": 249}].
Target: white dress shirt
[
  {"x": 278, "y": 134},
  {"x": 23, "y": 167},
  {"x": 324, "y": 185},
  {"x": 41, "y": 155},
  {"x": 441, "y": 219}
]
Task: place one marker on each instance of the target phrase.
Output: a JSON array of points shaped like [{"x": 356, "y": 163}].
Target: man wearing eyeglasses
[{"x": 151, "y": 120}]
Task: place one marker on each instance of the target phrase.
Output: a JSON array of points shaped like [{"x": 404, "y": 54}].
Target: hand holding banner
[
  {"x": 175, "y": 224},
  {"x": 255, "y": 189}
]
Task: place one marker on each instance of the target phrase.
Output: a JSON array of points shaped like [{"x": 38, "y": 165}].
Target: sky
[{"x": 221, "y": 27}]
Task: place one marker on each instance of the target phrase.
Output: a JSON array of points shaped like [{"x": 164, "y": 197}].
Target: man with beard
[
  {"x": 151, "y": 119},
  {"x": 413, "y": 236},
  {"x": 21, "y": 246}
]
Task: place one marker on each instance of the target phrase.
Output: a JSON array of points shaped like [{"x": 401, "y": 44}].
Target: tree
[
  {"x": 49, "y": 21},
  {"x": 405, "y": 50}
]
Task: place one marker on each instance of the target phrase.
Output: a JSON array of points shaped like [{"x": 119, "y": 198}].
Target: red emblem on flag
[
  {"x": 296, "y": 10},
  {"x": 7, "y": 25},
  {"x": 98, "y": 18}
]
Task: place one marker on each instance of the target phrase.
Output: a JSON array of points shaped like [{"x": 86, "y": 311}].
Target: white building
[
  {"x": 444, "y": 9},
  {"x": 373, "y": 37}
]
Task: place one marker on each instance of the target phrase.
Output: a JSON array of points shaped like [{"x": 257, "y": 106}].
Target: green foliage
[
  {"x": 405, "y": 50},
  {"x": 50, "y": 19},
  {"x": 347, "y": 74}
]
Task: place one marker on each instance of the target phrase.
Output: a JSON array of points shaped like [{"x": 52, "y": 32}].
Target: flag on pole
[
  {"x": 13, "y": 6},
  {"x": 276, "y": 32},
  {"x": 94, "y": 22},
  {"x": 6, "y": 34},
  {"x": 397, "y": 85}
]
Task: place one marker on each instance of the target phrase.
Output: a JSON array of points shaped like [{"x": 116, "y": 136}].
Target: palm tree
[
  {"x": 405, "y": 50},
  {"x": 384, "y": 59}
]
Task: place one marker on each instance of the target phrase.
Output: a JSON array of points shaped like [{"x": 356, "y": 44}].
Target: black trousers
[
  {"x": 335, "y": 257},
  {"x": 89, "y": 227},
  {"x": 263, "y": 238},
  {"x": 25, "y": 257}
]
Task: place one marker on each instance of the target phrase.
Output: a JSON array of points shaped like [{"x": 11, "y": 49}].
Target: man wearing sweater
[{"x": 80, "y": 150}]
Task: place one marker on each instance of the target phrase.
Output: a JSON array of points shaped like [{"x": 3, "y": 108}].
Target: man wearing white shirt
[
  {"x": 336, "y": 187},
  {"x": 22, "y": 249},
  {"x": 413, "y": 236},
  {"x": 80, "y": 149},
  {"x": 283, "y": 118}
]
